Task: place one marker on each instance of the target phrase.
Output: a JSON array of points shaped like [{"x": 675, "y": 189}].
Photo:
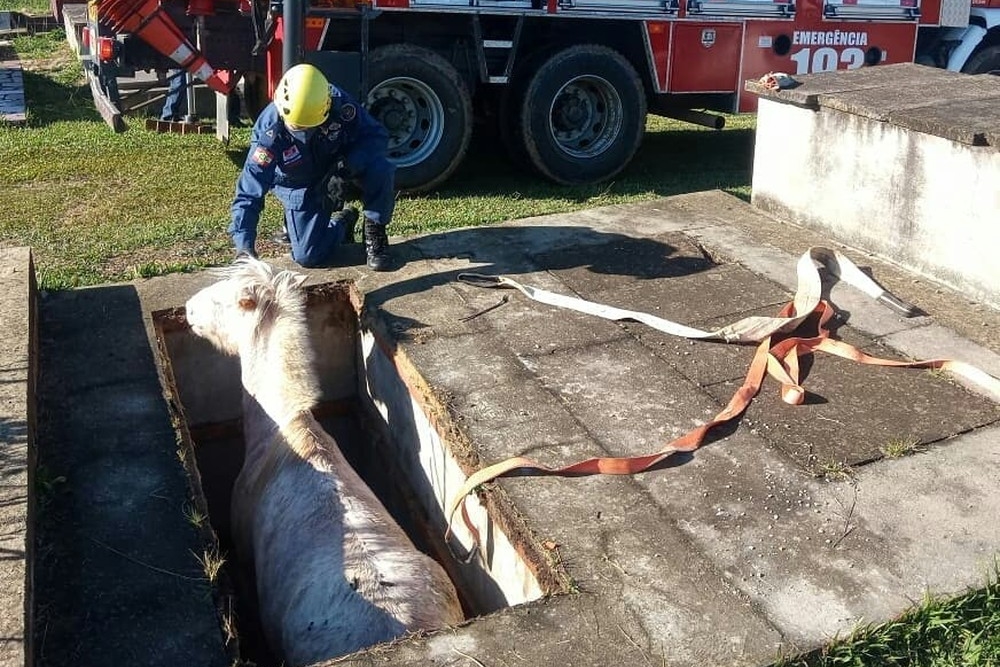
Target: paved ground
[
  {"x": 728, "y": 557},
  {"x": 12, "y": 108},
  {"x": 12, "y": 24}
]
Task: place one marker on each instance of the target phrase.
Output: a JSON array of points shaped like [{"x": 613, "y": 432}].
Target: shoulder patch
[
  {"x": 348, "y": 112},
  {"x": 261, "y": 156}
]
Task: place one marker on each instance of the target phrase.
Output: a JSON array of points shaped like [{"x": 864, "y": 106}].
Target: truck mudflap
[{"x": 105, "y": 106}]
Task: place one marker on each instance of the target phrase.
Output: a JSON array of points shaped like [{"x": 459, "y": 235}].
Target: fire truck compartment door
[
  {"x": 620, "y": 6},
  {"x": 901, "y": 10},
  {"x": 705, "y": 57}
]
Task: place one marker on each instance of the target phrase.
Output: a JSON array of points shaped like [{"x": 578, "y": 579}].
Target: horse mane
[
  {"x": 279, "y": 305},
  {"x": 259, "y": 279}
]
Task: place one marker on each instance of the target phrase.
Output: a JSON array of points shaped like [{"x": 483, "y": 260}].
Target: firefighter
[
  {"x": 175, "y": 102},
  {"x": 309, "y": 140}
]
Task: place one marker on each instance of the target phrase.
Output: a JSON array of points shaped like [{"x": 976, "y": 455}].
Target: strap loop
[{"x": 482, "y": 280}]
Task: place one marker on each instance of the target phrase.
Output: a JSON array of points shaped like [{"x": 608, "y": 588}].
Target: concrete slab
[
  {"x": 18, "y": 378},
  {"x": 13, "y": 109},
  {"x": 916, "y": 95},
  {"x": 969, "y": 327},
  {"x": 972, "y": 120},
  {"x": 730, "y": 556},
  {"x": 820, "y": 557},
  {"x": 812, "y": 86},
  {"x": 117, "y": 580},
  {"x": 838, "y": 423},
  {"x": 954, "y": 106},
  {"x": 621, "y": 398}
]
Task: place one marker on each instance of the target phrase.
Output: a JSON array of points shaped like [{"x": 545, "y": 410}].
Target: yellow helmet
[{"x": 303, "y": 96}]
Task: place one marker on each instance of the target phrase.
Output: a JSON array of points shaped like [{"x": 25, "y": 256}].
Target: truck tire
[
  {"x": 984, "y": 61},
  {"x": 425, "y": 105},
  {"x": 583, "y": 115},
  {"x": 511, "y": 132}
]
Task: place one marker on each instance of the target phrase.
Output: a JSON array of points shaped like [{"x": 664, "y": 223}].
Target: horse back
[{"x": 334, "y": 571}]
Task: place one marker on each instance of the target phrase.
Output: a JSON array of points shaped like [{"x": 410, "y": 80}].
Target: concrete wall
[
  {"x": 928, "y": 203},
  {"x": 208, "y": 382},
  {"x": 18, "y": 374},
  {"x": 503, "y": 578}
]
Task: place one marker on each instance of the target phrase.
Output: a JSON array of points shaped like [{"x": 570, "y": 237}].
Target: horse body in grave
[{"x": 334, "y": 571}]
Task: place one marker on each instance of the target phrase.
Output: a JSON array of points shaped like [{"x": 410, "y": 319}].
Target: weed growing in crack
[
  {"x": 211, "y": 560},
  {"x": 195, "y": 516},
  {"x": 900, "y": 447},
  {"x": 835, "y": 471}
]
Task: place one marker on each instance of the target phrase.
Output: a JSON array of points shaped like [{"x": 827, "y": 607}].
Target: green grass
[
  {"x": 98, "y": 207},
  {"x": 962, "y": 632},
  {"x": 33, "y": 7}
]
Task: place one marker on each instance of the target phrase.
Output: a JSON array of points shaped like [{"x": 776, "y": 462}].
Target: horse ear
[
  {"x": 247, "y": 300},
  {"x": 298, "y": 279}
]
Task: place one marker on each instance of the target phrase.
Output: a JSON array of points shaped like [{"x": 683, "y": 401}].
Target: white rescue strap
[{"x": 779, "y": 358}]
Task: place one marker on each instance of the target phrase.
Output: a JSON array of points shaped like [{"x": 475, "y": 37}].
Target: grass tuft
[
  {"x": 959, "y": 632},
  {"x": 211, "y": 561},
  {"x": 835, "y": 471},
  {"x": 900, "y": 447},
  {"x": 195, "y": 516}
]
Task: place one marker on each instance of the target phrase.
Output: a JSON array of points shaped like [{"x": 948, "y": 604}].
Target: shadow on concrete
[
  {"x": 13, "y": 438},
  {"x": 512, "y": 251},
  {"x": 116, "y": 579}
]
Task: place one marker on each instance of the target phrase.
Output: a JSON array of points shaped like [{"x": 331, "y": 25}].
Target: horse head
[{"x": 250, "y": 296}]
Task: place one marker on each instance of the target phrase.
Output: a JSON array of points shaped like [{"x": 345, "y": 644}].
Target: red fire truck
[{"x": 568, "y": 83}]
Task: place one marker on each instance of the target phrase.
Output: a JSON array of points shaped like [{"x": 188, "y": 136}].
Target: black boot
[{"x": 376, "y": 246}]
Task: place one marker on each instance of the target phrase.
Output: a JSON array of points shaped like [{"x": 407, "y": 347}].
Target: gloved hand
[
  {"x": 331, "y": 190},
  {"x": 335, "y": 187}
]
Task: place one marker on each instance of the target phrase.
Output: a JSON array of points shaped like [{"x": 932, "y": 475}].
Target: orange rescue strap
[{"x": 777, "y": 355}]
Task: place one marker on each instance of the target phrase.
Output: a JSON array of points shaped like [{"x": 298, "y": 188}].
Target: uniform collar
[{"x": 301, "y": 135}]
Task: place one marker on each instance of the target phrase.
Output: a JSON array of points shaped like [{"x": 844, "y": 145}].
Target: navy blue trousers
[{"x": 315, "y": 235}]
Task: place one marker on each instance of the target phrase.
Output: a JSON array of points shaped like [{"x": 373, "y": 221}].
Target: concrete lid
[{"x": 951, "y": 105}]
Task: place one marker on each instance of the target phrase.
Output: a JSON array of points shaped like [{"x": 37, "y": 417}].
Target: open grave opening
[{"x": 385, "y": 429}]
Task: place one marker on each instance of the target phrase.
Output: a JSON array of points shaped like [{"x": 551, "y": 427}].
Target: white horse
[{"x": 334, "y": 572}]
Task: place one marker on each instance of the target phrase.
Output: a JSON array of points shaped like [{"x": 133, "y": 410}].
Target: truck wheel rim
[
  {"x": 413, "y": 115},
  {"x": 585, "y": 118}
]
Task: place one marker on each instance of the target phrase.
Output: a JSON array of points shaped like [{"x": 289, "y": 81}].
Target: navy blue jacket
[{"x": 289, "y": 163}]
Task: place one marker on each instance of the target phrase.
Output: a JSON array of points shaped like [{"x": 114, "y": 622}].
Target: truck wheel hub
[
  {"x": 586, "y": 116},
  {"x": 413, "y": 115}
]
